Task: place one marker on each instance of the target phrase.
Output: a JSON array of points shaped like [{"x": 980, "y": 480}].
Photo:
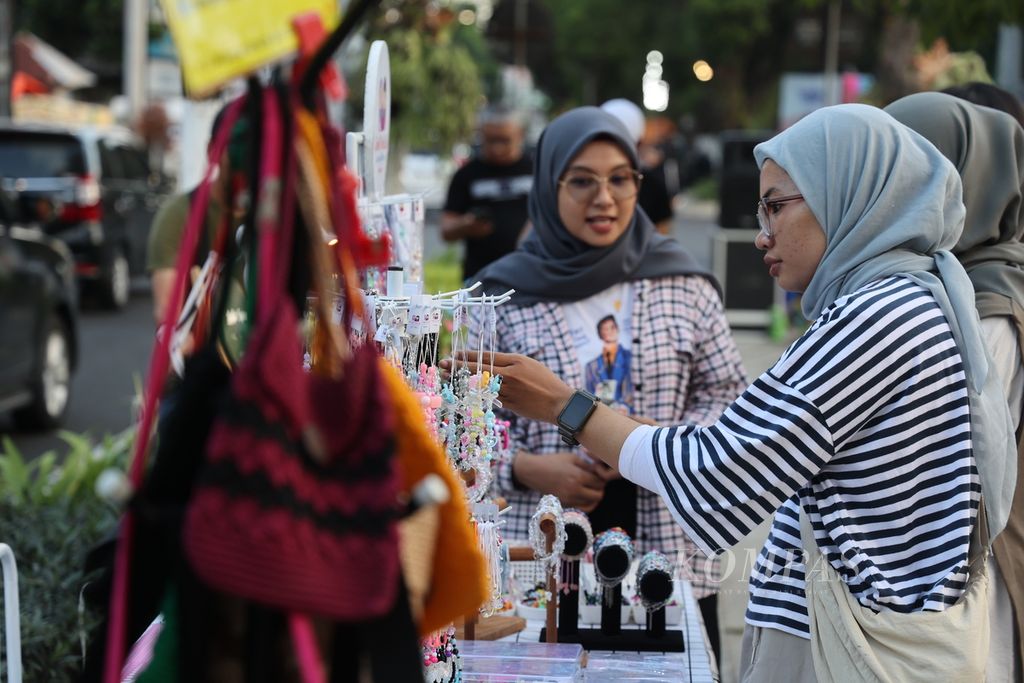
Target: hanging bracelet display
[
  {"x": 578, "y": 535},
  {"x": 613, "y": 555},
  {"x": 654, "y": 580},
  {"x": 548, "y": 504}
]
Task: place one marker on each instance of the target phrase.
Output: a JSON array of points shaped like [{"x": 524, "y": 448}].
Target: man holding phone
[{"x": 486, "y": 204}]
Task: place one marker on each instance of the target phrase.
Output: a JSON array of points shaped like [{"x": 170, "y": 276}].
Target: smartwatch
[{"x": 575, "y": 415}]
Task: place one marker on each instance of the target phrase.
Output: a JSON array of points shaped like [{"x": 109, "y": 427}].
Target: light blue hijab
[{"x": 890, "y": 204}]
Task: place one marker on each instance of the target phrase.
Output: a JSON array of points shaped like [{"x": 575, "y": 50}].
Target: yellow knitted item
[{"x": 459, "y": 579}]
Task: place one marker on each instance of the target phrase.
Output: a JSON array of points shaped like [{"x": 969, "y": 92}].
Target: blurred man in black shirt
[{"x": 486, "y": 203}]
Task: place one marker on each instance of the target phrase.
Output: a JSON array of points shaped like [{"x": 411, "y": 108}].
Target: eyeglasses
[
  {"x": 767, "y": 207},
  {"x": 584, "y": 187}
]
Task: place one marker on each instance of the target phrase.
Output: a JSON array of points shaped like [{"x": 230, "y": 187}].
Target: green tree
[
  {"x": 596, "y": 49},
  {"x": 436, "y": 86},
  {"x": 87, "y": 30}
]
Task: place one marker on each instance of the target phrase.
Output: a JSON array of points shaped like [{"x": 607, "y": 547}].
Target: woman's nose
[
  {"x": 604, "y": 194},
  {"x": 762, "y": 241}
]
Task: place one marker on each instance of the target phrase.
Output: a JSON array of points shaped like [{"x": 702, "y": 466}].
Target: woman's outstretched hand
[{"x": 528, "y": 388}]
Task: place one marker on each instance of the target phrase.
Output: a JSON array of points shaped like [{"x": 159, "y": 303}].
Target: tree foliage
[
  {"x": 436, "y": 85},
  {"x": 86, "y": 30},
  {"x": 597, "y": 48}
]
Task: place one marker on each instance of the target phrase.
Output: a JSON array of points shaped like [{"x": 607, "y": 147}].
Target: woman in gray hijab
[
  {"x": 871, "y": 442},
  {"x": 620, "y": 311},
  {"x": 987, "y": 147}
]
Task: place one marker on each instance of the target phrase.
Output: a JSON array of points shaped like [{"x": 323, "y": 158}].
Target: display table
[{"x": 560, "y": 663}]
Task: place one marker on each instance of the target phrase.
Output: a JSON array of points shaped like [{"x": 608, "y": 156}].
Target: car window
[{"x": 40, "y": 155}]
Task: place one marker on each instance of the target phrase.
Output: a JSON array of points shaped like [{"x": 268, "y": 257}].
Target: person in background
[
  {"x": 169, "y": 221},
  {"x": 987, "y": 147},
  {"x": 988, "y": 95},
  {"x": 597, "y": 286},
  {"x": 654, "y": 197},
  {"x": 486, "y": 205}
]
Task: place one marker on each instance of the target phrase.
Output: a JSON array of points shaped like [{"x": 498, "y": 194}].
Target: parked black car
[
  {"x": 92, "y": 189},
  {"x": 38, "y": 323}
]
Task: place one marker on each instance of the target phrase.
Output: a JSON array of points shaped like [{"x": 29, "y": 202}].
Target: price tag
[
  {"x": 419, "y": 315},
  {"x": 459, "y": 318},
  {"x": 339, "y": 310},
  {"x": 435, "y": 321}
]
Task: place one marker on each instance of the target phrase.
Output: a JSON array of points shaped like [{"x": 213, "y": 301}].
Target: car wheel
[
  {"x": 116, "y": 282},
  {"x": 51, "y": 385}
]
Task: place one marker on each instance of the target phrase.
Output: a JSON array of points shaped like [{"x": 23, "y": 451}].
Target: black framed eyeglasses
[
  {"x": 583, "y": 186},
  {"x": 766, "y": 206}
]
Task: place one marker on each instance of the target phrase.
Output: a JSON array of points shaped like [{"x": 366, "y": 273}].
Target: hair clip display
[
  {"x": 613, "y": 554},
  {"x": 654, "y": 580},
  {"x": 548, "y": 505}
]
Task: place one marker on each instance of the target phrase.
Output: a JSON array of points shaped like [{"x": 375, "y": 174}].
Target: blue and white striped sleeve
[{"x": 721, "y": 481}]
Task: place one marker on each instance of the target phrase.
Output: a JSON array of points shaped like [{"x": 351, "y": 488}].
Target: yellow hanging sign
[{"x": 219, "y": 40}]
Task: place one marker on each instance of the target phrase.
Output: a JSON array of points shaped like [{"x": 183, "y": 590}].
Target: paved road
[{"x": 115, "y": 350}]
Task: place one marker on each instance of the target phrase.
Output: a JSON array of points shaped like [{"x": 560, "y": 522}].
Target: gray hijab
[
  {"x": 551, "y": 264},
  {"x": 987, "y": 148},
  {"x": 890, "y": 204}
]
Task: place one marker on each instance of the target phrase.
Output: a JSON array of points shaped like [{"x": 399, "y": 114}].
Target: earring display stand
[
  {"x": 478, "y": 629},
  {"x": 576, "y": 542}
]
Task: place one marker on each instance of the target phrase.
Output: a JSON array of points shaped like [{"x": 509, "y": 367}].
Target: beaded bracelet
[
  {"x": 654, "y": 581},
  {"x": 607, "y": 542},
  {"x": 548, "y": 504},
  {"x": 577, "y": 519}
]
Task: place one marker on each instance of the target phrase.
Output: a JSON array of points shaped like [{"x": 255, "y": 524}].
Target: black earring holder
[
  {"x": 576, "y": 542},
  {"x": 611, "y": 636}
]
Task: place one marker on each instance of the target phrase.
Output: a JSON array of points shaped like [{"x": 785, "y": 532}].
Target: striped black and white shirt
[{"x": 864, "y": 421}]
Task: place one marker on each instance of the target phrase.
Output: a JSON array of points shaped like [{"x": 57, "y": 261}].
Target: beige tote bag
[{"x": 851, "y": 643}]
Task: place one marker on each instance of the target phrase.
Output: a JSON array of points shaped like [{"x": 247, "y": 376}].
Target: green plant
[
  {"x": 51, "y": 517},
  {"x": 705, "y": 188}
]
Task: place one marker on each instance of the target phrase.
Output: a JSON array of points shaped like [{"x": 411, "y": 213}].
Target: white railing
[{"x": 12, "y": 614}]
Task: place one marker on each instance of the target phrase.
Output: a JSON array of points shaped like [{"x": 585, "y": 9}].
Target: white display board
[{"x": 377, "y": 119}]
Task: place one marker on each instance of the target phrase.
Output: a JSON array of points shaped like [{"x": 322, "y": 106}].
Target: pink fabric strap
[{"x": 306, "y": 653}]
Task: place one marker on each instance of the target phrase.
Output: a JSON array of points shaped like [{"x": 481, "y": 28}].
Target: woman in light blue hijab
[
  {"x": 869, "y": 182},
  {"x": 872, "y": 443}
]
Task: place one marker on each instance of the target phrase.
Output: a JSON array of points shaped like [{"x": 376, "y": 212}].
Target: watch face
[{"x": 576, "y": 411}]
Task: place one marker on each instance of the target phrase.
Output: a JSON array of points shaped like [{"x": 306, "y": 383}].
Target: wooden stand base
[{"x": 491, "y": 628}]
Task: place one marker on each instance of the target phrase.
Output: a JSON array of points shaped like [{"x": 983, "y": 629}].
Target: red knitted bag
[{"x": 296, "y": 504}]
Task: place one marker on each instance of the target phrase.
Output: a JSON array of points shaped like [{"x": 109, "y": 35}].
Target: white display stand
[{"x": 403, "y": 215}]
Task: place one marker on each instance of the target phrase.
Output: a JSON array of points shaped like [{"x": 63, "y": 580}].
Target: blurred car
[
  {"x": 38, "y": 324},
  {"x": 90, "y": 188}
]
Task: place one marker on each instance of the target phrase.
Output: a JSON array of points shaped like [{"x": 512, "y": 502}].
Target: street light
[{"x": 703, "y": 71}]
